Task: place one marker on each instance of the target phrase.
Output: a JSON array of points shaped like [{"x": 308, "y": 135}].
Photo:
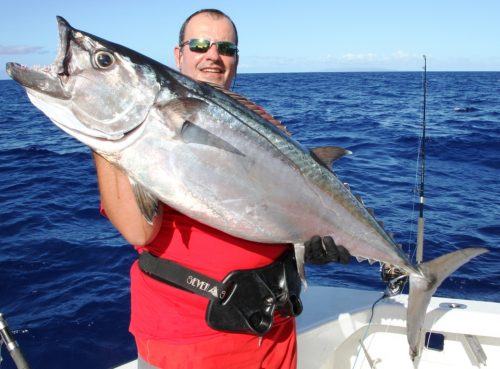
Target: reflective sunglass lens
[
  {"x": 198, "y": 45},
  {"x": 201, "y": 46},
  {"x": 227, "y": 48}
]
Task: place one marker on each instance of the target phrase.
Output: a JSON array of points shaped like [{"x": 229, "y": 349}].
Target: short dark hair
[{"x": 216, "y": 13}]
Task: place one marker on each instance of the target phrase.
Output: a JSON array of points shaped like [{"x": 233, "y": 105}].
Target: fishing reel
[{"x": 394, "y": 278}]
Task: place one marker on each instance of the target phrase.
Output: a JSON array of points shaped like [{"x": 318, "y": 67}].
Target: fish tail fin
[{"x": 424, "y": 284}]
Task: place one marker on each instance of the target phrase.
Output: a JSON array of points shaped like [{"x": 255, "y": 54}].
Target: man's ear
[{"x": 178, "y": 57}]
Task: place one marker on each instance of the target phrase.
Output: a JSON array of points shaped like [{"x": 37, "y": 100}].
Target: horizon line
[{"x": 2, "y": 78}]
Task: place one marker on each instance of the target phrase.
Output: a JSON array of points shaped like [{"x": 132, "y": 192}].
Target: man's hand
[{"x": 324, "y": 250}]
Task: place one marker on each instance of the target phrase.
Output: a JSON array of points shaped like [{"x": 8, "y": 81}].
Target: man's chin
[{"x": 217, "y": 78}]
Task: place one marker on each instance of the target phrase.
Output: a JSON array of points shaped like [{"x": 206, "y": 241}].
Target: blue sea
[{"x": 64, "y": 269}]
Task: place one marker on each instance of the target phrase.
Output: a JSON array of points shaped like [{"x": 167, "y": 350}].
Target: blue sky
[{"x": 276, "y": 36}]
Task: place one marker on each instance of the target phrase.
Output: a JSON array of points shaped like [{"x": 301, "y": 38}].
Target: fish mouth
[{"x": 47, "y": 79}]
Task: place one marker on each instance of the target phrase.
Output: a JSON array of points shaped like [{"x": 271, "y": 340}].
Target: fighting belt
[{"x": 245, "y": 301}]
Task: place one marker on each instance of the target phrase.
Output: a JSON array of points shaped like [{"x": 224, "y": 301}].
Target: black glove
[{"x": 324, "y": 250}]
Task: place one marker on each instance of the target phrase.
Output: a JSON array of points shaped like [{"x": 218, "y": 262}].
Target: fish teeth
[
  {"x": 41, "y": 68},
  {"x": 360, "y": 259}
]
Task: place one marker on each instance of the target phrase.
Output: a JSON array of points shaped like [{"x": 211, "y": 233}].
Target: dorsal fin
[
  {"x": 328, "y": 154},
  {"x": 251, "y": 106}
]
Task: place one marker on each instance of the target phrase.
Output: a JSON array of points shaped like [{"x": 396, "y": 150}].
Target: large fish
[{"x": 205, "y": 153}]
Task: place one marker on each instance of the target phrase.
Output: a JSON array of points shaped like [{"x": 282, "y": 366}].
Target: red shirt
[{"x": 160, "y": 311}]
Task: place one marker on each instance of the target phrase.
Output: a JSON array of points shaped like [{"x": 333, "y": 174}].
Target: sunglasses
[{"x": 200, "y": 45}]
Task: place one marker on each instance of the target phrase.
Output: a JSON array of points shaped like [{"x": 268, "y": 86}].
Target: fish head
[{"x": 95, "y": 90}]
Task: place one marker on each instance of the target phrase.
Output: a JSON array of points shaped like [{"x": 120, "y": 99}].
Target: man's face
[{"x": 209, "y": 66}]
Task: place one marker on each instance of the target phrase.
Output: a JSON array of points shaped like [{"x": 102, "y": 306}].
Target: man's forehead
[{"x": 211, "y": 26}]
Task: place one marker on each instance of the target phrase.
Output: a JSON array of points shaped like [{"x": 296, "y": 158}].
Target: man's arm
[{"x": 120, "y": 206}]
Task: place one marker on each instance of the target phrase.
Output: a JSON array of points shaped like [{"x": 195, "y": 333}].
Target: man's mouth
[{"x": 212, "y": 70}]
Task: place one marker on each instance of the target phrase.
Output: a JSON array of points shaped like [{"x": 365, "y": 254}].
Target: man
[
  {"x": 171, "y": 326},
  {"x": 213, "y": 65}
]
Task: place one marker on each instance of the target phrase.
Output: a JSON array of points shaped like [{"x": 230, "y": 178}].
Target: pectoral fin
[
  {"x": 181, "y": 116},
  {"x": 177, "y": 111},
  {"x": 148, "y": 204},
  {"x": 191, "y": 133}
]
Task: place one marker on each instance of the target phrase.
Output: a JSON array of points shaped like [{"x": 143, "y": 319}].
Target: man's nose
[{"x": 213, "y": 51}]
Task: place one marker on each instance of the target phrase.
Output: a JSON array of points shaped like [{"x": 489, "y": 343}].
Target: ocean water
[{"x": 64, "y": 269}]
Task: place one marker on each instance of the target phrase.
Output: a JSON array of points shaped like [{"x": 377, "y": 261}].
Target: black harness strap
[
  {"x": 245, "y": 301},
  {"x": 172, "y": 273}
]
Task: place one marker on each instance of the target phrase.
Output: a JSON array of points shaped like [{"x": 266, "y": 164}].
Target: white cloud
[
  {"x": 398, "y": 60},
  {"x": 21, "y": 50},
  {"x": 359, "y": 57},
  {"x": 396, "y": 56}
]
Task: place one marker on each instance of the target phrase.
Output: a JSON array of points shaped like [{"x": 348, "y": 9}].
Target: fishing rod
[
  {"x": 420, "y": 225},
  {"x": 13, "y": 348},
  {"x": 394, "y": 277}
]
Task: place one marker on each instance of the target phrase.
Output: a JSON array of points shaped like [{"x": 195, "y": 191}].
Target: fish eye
[{"x": 104, "y": 59}]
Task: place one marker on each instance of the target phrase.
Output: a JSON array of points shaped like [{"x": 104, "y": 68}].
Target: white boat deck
[{"x": 470, "y": 330}]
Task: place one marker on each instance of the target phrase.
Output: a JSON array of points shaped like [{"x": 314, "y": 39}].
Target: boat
[
  {"x": 337, "y": 330},
  {"x": 343, "y": 328}
]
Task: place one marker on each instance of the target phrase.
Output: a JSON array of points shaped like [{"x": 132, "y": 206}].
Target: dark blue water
[{"x": 64, "y": 269}]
